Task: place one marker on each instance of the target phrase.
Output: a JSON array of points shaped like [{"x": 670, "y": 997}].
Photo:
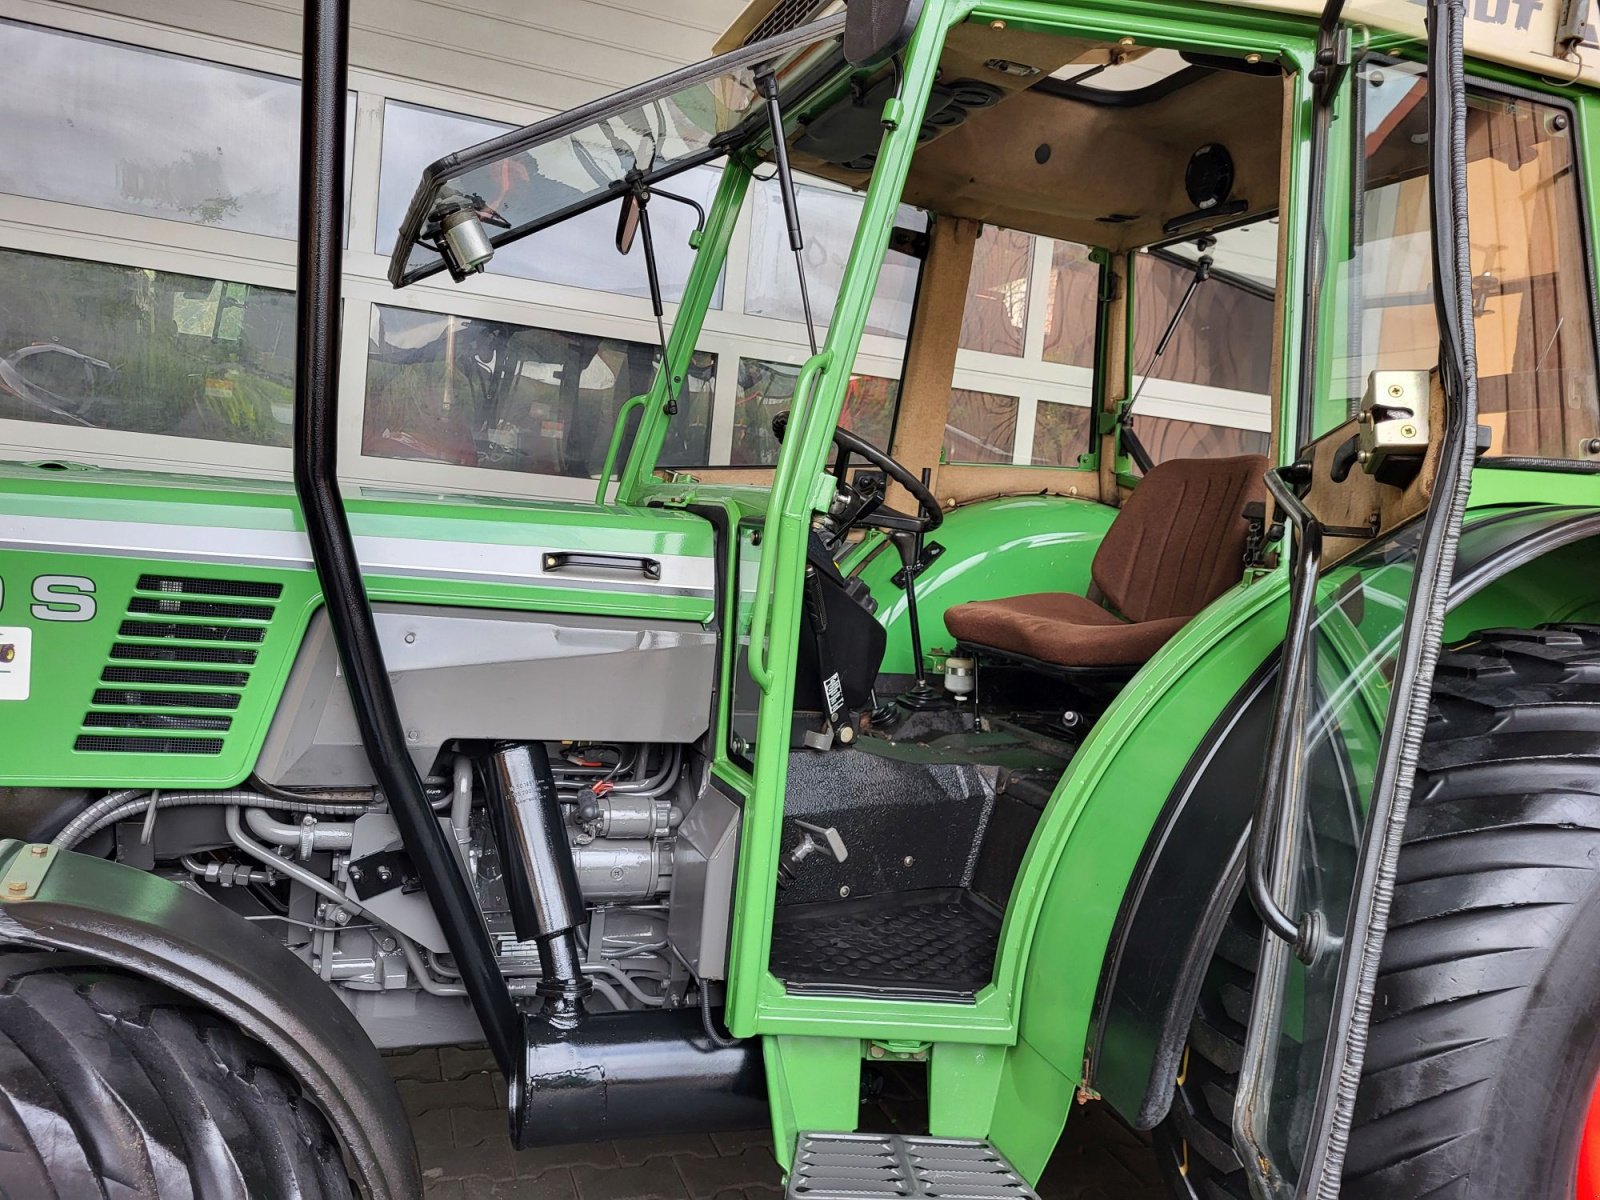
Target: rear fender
[
  {"x": 150, "y": 926},
  {"x": 1516, "y": 567}
]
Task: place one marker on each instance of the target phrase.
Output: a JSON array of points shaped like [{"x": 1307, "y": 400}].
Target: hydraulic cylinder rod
[
  {"x": 319, "y": 267},
  {"x": 541, "y": 880}
]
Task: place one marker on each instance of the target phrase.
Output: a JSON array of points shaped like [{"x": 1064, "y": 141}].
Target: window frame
[
  {"x": 1488, "y": 87},
  {"x": 134, "y": 240}
]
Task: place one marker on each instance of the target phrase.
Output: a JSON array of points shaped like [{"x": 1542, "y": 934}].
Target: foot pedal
[{"x": 849, "y": 1166}]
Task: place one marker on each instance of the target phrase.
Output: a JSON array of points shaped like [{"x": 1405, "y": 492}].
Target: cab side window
[
  {"x": 1208, "y": 394},
  {"x": 1531, "y": 289}
]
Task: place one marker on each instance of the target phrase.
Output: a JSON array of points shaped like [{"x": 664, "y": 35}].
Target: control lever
[
  {"x": 830, "y": 843},
  {"x": 923, "y": 695}
]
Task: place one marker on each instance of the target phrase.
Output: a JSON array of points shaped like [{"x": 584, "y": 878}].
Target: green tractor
[{"x": 1251, "y": 790}]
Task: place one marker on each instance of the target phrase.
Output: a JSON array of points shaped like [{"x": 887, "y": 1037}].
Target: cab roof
[{"x": 1517, "y": 33}]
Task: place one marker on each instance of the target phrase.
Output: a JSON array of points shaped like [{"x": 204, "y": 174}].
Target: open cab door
[{"x": 1374, "y": 509}]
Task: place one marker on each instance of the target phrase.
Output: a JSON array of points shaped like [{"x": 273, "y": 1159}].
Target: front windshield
[{"x": 533, "y": 177}]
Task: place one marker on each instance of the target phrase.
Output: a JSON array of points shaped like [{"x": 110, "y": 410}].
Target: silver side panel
[
  {"x": 702, "y": 884},
  {"x": 477, "y": 673}
]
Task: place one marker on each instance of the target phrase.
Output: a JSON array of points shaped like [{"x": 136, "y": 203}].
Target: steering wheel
[{"x": 862, "y": 503}]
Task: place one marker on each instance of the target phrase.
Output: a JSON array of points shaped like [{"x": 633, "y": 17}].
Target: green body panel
[
  {"x": 110, "y": 510},
  {"x": 1005, "y": 547}
]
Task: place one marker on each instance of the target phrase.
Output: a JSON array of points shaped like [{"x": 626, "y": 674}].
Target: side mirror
[
  {"x": 628, "y": 222},
  {"x": 875, "y": 30}
]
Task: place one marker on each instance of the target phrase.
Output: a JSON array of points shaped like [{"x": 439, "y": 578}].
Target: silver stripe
[{"x": 479, "y": 562}]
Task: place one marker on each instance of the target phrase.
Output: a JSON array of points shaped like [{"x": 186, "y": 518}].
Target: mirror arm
[{"x": 700, "y": 212}]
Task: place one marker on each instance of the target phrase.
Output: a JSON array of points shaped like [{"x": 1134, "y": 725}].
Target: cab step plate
[{"x": 862, "y": 1166}]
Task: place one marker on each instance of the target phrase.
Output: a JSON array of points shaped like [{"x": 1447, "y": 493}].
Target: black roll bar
[{"x": 319, "y": 265}]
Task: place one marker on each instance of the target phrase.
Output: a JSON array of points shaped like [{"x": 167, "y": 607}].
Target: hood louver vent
[{"x": 180, "y": 664}]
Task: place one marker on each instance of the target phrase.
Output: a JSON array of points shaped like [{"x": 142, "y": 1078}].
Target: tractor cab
[
  {"x": 927, "y": 719},
  {"x": 1134, "y": 637}
]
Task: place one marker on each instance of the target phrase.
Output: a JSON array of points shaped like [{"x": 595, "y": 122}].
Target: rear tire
[
  {"x": 1484, "y": 1049},
  {"x": 114, "y": 1086}
]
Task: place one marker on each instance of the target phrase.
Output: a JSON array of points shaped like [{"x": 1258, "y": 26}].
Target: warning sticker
[{"x": 16, "y": 661}]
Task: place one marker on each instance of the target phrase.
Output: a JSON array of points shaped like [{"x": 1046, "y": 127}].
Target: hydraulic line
[{"x": 119, "y": 806}]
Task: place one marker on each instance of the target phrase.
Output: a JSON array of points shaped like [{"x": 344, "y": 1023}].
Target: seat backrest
[{"x": 1178, "y": 541}]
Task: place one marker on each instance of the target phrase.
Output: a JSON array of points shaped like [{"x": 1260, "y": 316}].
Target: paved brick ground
[{"x": 457, "y": 1107}]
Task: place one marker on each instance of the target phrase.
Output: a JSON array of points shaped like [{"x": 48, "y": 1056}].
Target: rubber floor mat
[{"x": 936, "y": 945}]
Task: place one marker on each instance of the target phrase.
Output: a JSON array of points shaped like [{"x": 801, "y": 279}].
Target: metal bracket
[
  {"x": 375, "y": 874},
  {"x": 26, "y": 873},
  {"x": 930, "y": 552},
  {"x": 1393, "y": 418}
]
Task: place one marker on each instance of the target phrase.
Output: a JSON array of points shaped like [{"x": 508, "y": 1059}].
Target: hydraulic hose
[
  {"x": 319, "y": 268},
  {"x": 119, "y": 806}
]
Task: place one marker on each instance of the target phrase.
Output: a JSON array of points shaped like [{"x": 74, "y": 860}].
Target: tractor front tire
[
  {"x": 114, "y": 1086},
  {"x": 1482, "y": 1072}
]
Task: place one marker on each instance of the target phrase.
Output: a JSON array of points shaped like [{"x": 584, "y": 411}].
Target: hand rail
[
  {"x": 772, "y": 527},
  {"x": 617, "y": 430},
  {"x": 1283, "y": 774}
]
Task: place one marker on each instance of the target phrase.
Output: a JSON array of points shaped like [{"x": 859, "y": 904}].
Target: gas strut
[{"x": 319, "y": 266}]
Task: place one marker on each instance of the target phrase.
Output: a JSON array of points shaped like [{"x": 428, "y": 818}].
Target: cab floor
[{"x": 456, "y": 1102}]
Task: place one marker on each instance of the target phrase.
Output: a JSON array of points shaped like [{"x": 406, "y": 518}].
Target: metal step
[{"x": 862, "y": 1166}]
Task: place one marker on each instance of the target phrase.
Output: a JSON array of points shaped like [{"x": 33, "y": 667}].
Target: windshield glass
[{"x": 533, "y": 177}]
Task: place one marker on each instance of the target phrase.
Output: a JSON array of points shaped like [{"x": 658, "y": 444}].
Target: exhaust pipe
[{"x": 622, "y": 1075}]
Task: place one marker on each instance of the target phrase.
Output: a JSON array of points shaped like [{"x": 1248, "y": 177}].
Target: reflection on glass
[
  {"x": 767, "y": 388},
  {"x": 552, "y": 168},
  {"x": 829, "y": 219},
  {"x": 137, "y": 131},
  {"x": 1535, "y": 337},
  {"x": 981, "y": 427},
  {"x": 1224, "y": 339},
  {"x": 1164, "y": 438},
  {"x": 1069, "y": 315},
  {"x": 480, "y": 393},
  {"x": 1356, "y": 633},
  {"x": 110, "y": 347},
  {"x": 1060, "y": 434},
  {"x": 581, "y": 252},
  {"x": 995, "y": 319}
]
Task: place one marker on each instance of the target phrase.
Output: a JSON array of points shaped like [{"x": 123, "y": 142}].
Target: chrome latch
[{"x": 1393, "y": 419}]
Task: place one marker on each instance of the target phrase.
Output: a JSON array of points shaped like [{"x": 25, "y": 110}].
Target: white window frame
[{"x": 81, "y": 232}]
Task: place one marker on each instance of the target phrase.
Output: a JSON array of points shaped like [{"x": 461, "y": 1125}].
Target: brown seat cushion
[
  {"x": 1176, "y": 545},
  {"x": 1178, "y": 540},
  {"x": 1059, "y": 627}
]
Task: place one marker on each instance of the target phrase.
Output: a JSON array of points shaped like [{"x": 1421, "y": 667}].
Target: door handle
[
  {"x": 1281, "y": 799},
  {"x": 561, "y": 560},
  {"x": 772, "y": 527}
]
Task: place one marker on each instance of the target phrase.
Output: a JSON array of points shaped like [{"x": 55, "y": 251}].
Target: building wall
[{"x": 146, "y": 263}]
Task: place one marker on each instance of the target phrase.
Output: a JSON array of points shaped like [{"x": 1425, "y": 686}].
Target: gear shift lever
[{"x": 923, "y": 695}]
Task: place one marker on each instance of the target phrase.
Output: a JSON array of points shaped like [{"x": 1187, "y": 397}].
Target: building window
[
  {"x": 481, "y": 393},
  {"x": 995, "y": 319},
  {"x": 119, "y": 127},
  {"x": 1069, "y": 318},
  {"x": 982, "y": 427},
  {"x": 1218, "y": 362},
  {"x": 1060, "y": 434},
  {"x": 828, "y": 219},
  {"x": 580, "y": 251},
  {"x": 767, "y": 388},
  {"x": 108, "y": 347}
]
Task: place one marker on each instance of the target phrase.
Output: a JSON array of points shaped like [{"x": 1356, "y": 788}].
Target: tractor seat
[{"x": 1176, "y": 545}]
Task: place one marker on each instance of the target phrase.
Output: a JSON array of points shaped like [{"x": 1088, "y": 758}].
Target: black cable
[{"x": 721, "y": 1040}]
